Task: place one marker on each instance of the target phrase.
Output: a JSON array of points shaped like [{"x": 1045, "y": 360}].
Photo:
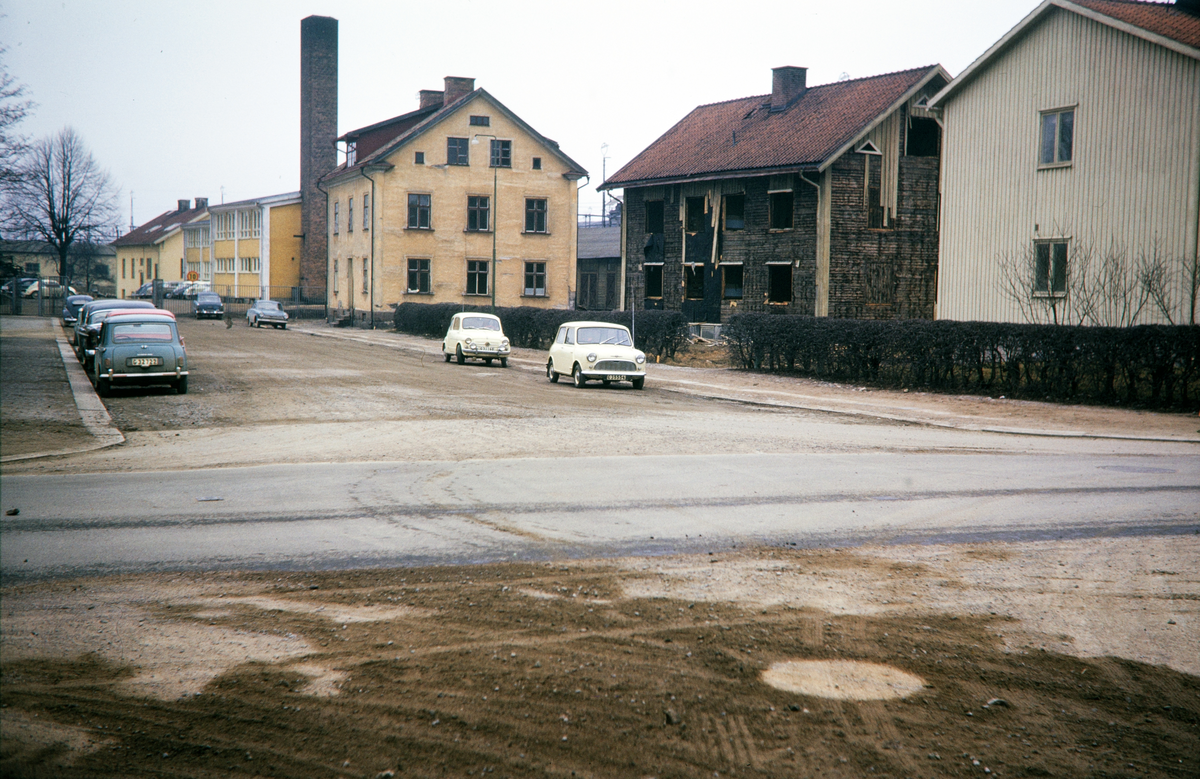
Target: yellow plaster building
[
  {"x": 458, "y": 201},
  {"x": 256, "y": 247},
  {"x": 156, "y": 249}
]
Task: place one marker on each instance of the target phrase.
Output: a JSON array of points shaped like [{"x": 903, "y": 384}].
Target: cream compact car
[
  {"x": 599, "y": 351},
  {"x": 476, "y": 335}
]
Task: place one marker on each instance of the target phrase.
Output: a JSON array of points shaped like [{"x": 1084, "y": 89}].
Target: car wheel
[
  {"x": 445, "y": 353},
  {"x": 606, "y": 382},
  {"x": 503, "y": 362},
  {"x": 181, "y": 386},
  {"x": 577, "y": 375},
  {"x": 103, "y": 387},
  {"x": 249, "y": 322},
  {"x": 639, "y": 382},
  {"x": 551, "y": 374},
  {"x": 458, "y": 355},
  {"x": 487, "y": 360}
]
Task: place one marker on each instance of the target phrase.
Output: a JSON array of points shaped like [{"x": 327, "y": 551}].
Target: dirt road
[{"x": 1057, "y": 658}]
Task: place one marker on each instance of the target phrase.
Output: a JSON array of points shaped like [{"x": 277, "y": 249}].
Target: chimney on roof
[
  {"x": 457, "y": 87},
  {"x": 201, "y": 202},
  {"x": 184, "y": 205},
  {"x": 1189, "y": 6},
  {"x": 431, "y": 98},
  {"x": 787, "y": 84}
]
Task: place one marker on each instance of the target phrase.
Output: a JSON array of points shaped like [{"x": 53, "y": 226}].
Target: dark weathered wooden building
[
  {"x": 810, "y": 200},
  {"x": 598, "y": 268}
]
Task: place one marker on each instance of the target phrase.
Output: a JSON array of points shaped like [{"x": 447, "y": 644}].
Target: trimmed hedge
[
  {"x": 658, "y": 332},
  {"x": 1150, "y": 366}
]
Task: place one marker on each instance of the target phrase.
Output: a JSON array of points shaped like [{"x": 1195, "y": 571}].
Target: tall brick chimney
[
  {"x": 456, "y": 87},
  {"x": 184, "y": 205},
  {"x": 787, "y": 84},
  {"x": 318, "y": 136}
]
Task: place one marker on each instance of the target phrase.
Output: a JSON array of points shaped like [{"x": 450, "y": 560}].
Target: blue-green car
[{"x": 139, "y": 349}]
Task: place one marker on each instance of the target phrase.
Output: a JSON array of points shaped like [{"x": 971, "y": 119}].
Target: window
[
  {"x": 735, "y": 212},
  {"x": 924, "y": 137},
  {"x": 537, "y": 163},
  {"x": 335, "y": 275},
  {"x": 695, "y": 214},
  {"x": 654, "y": 280},
  {"x": 1058, "y": 137},
  {"x": 418, "y": 211},
  {"x": 224, "y": 227},
  {"x": 779, "y": 283},
  {"x": 535, "y": 279},
  {"x": 477, "y": 213},
  {"x": 336, "y": 216},
  {"x": 731, "y": 282},
  {"x": 122, "y": 267},
  {"x": 351, "y": 153},
  {"x": 535, "y": 215},
  {"x": 501, "y": 154},
  {"x": 654, "y": 216},
  {"x": 874, "y": 209},
  {"x": 418, "y": 277},
  {"x": 224, "y": 265},
  {"x": 366, "y": 212},
  {"x": 1050, "y": 269},
  {"x": 693, "y": 282},
  {"x": 419, "y": 158},
  {"x": 781, "y": 211},
  {"x": 350, "y": 214},
  {"x": 458, "y": 151},
  {"x": 481, "y": 121},
  {"x": 248, "y": 264},
  {"x": 477, "y": 277},
  {"x": 249, "y": 223},
  {"x": 366, "y": 276}
]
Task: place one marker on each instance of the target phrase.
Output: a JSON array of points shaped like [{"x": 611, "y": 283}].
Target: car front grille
[{"x": 616, "y": 366}]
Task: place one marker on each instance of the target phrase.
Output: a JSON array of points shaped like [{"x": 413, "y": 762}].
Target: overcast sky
[{"x": 186, "y": 99}]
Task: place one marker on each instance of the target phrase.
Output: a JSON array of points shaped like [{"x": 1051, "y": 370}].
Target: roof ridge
[{"x": 823, "y": 86}]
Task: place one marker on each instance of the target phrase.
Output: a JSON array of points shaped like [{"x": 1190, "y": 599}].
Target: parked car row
[
  {"x": 129, "y": 343},
  {"x": 585, "y": 351},
  {"x": 31, "y": 287}
]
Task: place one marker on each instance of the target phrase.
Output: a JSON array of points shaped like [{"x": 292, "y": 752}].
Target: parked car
[
  {"x": 598, "y": 351},
  {"x": 146, "y": 291},
  {"x": 48, "y": 289},
  {"x": 208, "y": 304},
  {"x": 88, "y": 312},
  {"x": 139, "y": 348},
  {"x": 71, "y": 306},
  {"x": 92, "y": 337},
  {"x": 19, "y": 285},
  {"x": 267, "y": 312},
  {"x": 476, "y": 335},
  {"x": 189, "y": 290}
]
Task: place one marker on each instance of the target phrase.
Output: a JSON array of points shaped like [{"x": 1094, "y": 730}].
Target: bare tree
[
  {"x": 61, "y": 195},
  {"x": 1102, "y": 287},
  {"x": 14, "y": 107}
]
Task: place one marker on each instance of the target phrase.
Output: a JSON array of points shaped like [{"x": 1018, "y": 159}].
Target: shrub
[{"x": 1154, "y": 366}]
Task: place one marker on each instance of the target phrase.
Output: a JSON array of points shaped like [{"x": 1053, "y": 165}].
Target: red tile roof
[
  {"x": 1159, "y": 18},
  {"x": 744, "y": 135},
  {"x": 158, "y": 227}
]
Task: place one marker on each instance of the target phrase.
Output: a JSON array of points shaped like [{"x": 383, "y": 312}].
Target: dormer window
[{"x": 351, "y": 153}]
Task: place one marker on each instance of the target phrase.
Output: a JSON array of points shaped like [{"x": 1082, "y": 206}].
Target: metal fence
[{"x": 29, "y": 296}]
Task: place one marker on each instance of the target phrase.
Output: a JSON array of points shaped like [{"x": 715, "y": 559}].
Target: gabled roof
[
  {"x": 269, "y": 200},
  {"x": 408, "y": 131},
  {"x": 160, "y": 227},
  {"x": 1159, "y": 23},
  {"x": 744, "y": 137}
]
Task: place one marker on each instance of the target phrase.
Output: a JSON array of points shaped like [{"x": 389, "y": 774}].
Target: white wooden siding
[{"x": 1134, "y": 182}]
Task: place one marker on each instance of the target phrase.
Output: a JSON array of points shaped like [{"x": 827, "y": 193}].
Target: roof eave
[{"x": 739, "y": 173}]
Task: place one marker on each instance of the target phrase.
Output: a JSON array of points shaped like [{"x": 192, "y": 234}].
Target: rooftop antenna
[
  {"x": 603, "y": 177},
  {"x": 131, "y": 210}
]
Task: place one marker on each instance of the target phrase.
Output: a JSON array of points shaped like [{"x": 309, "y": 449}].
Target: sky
[{"x": 202, "y": 99}]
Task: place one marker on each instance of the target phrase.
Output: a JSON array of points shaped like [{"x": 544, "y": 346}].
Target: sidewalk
[{"x": 964, "y": 412}]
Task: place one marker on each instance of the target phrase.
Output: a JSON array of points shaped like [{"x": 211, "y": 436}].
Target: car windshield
[
  {"x": 208, "y": 297},
  {"x": 603, "y": 335},
  {"x": 141, "y": 331},
  {"x": 480, "y": 323},
  {"x": 267, "y": 305}
]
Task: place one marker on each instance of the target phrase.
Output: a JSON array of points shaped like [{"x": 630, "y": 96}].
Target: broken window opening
[
  {"x": 735, "y": 212},
  {"x": 779, "y": 283},
  {"x": 654, "y": 281},
  {"x": 875, "y": 215},
  {"x": 782, "y": 204},
  {"x": 924, "y": 138},
  {"x": 731, "y": 282},
  {"x": 654, "y": 216},
  {"x": 695, "y": 214},
  {"x": 693, "y": 282}
]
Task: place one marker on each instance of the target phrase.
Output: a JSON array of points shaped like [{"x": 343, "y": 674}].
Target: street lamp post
[{"x": 495, "y": 213}]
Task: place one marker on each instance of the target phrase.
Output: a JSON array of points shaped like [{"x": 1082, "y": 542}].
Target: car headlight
[
  {"x": 641, "y": 358},
  {"x": 469, "y": 342},
  {"x": 591, "y": 357},
  {"x": 504, "y": 343}
]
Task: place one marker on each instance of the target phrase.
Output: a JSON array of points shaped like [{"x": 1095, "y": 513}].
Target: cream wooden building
[
  {"x": 459, "y": 201},
  {"x": 256, "y": 247},
  {"x": 1071, "y": 169}
]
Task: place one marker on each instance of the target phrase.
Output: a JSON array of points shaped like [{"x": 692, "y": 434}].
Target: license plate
[
  {"x": 143, "y": 362},
  {"x": 615, "y": 377}
]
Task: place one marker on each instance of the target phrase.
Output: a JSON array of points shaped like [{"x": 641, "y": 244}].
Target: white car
[
  {"x": 476, "y": 335},
  {"x": 596, "y": 351}
]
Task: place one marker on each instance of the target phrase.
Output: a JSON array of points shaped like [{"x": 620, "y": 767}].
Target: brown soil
[{"x": 634, "y": 669}]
